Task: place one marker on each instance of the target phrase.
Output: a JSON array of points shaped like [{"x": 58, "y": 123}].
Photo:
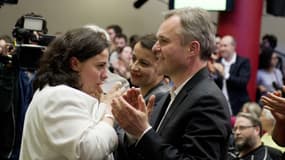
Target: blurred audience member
[
  {"x": 122, "y": 65},
  {"x": 217, "y": 46},
  {"x": 113, "y": 31},
  {"x": 9, "y": 98},
  {"x": 133, "y": 40},
  {"x": 214, "y": 67},
  {"x": 121, "y": 41},
  {"x": 252, "y": 108},
  {"x": 269, "y": 41},
  {"x": 269, "y": 78},
  {"x": 233, "y": 77},
  {"x": 268, "y": 122},
  {"x": 247, "y": 132},
  {"x": 6, "y": 45},
  {"x": 276, "y": 104}
]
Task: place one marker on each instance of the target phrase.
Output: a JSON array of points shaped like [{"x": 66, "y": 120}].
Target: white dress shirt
[{"x": 227, "y": 67}]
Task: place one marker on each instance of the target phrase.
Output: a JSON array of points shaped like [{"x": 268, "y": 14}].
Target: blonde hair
[
  {"x": 96, "y": 28},
  {"x": 252, "y": 108}
]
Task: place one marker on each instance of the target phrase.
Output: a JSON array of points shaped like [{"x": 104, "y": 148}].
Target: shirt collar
[
  {"x": 232, "y": 61},
  {"x": 174, "y": 91}
]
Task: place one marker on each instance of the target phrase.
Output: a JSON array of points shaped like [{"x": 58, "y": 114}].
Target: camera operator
[
  {"x": 20, "y": 64},
  {"x": 8, "y": 97}
]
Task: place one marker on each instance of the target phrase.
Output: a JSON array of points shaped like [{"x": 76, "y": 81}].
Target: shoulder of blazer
[
  {"x": 197, "y": 78},
  {"x": 239, "y": 63},
  {"x": 241, "y": 59}
]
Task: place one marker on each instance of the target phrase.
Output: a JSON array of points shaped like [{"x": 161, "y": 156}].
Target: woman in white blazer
[{"x": 67, "y": 117}]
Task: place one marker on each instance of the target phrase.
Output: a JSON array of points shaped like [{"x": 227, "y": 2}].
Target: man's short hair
[
  {"x": 196, "y": 25},
  {"x": 255, "y": 121},
  {"x": 117, "y": 29},
  {"x": 121, "y": 35},
  {"x": 272, "y": 39}
]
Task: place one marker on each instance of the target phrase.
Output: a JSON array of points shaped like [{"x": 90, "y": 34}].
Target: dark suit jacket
[
  {"x": 237, "y": 83},
  {"x": 197, "y": 125}
]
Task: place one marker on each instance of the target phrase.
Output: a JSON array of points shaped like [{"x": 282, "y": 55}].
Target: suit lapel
[
  {"x": 157, "y": 110},
  {"x": 234, "y": 66},
  {"x": 177, "y": 105}
]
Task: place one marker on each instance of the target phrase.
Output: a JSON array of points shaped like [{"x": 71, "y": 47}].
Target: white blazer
[{"x": 64, "y": 123}]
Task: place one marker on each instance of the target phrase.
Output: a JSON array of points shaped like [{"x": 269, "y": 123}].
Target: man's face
[
  {"x": 226, "y": 47},
  {"x": 169, "y": 50},
  {"x": 218, "y": 44},
  {"x": 120, "y": 42},
  {"x": 111, "y": 33},
  {"x": 245, "y": 134}
]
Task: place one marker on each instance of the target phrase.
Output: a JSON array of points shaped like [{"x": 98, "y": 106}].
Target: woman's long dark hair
[
  {"x": 265, "y": 58},
  {"x": 55, "y": 68}
]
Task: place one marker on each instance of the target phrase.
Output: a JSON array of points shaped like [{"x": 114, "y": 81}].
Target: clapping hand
[
  {"x": 131, "y": 112},
  {"x": 275, "y": 103}
]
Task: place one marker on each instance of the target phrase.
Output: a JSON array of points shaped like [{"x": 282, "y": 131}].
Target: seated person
[
  {"x": 268, "y": 122},
  {"x": 252, "y": 108},
  {"x": 247, "y": 136}
]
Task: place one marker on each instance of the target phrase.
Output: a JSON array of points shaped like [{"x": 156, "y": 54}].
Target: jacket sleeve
[
  {"x": 74, "y": 130},
  {"x": 241, "y": 76},
  {"x": 205, "y": 135}
]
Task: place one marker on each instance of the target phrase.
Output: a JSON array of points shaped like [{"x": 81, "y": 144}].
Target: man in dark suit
[
  {"x": 234, "y": 76},
  {"x": 195, "y": 123}
]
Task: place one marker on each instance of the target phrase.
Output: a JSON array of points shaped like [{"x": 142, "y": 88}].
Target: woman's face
[
  {"x": 143, "y": 67},
  {"x": 126, "y": 54},
  {"x": 274, "y": 60},
  {"x": 92, "y": 72}
]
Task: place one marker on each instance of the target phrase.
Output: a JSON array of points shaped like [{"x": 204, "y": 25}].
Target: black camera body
[
  {"x": 2, "y": 2},
  {"x": 31, "y": 29},
  {"x": 31, "y": 41}
]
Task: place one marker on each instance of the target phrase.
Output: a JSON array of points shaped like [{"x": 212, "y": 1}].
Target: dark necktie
[{"x": 162, "y": 112}]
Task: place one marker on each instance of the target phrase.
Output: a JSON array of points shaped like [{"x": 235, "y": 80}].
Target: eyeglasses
[{"x": 241, "y": 128}]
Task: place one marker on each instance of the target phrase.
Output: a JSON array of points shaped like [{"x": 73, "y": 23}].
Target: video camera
[
  {"x": 8, "y": 2},
  {"x": 31, "y": 30},
  {"x": 30, "y": 33}
]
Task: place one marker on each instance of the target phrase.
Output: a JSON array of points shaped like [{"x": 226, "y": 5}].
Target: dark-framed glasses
[{"x": 242, "y": 128}]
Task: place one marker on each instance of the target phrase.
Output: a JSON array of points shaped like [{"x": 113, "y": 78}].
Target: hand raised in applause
[
  {"x": 275, "y": 103},
  {"x": 131, "y": 112},
  {"x": 116, "y": 91}
]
